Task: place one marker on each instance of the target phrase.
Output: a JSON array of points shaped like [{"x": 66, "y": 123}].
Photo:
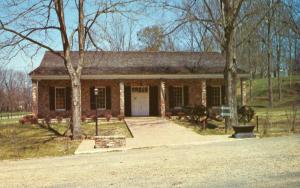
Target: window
[
  {"x": 178, "y": 96},
  {"x": 101, "y": 98},
  {"x": 60, "y": 98},
  {"x": 142, "y": 89},
  {"x": 216, "y": 95}
]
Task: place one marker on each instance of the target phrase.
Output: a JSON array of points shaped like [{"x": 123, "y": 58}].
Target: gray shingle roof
[{"x": 137, "y": 62}]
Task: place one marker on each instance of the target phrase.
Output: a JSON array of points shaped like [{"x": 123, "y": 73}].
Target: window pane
[
  {"x": 60, "y": 98},
  {"x": 178, "y": 98},
  {"x": 101, "y": 98}
]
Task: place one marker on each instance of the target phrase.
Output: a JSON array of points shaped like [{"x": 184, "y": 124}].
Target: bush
[
  {"x": 120, "y": 117},
  {"x": 28, "y": 119},
  {"x": 59, "y": 119},
  {"x": 168, "y": 115},
  {"x": 180, "y": 115},
  {"x": 245, "y": 114},
  {"x": 83, "y": 118},
  {"x": 48, "y": 120},
  {"x": 108, "y": 116},
  {"x": 198, "y": 112},
  {"x": 22, "y": 121}
]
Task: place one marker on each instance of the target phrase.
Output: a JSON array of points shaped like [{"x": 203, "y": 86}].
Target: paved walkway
[{"x": 153, "y": 132}]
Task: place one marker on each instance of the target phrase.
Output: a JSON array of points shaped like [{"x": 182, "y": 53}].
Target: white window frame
[
  {"x": 101, "y": 87},
  {"x": 182, "y": 93},
  {"x": 60, "y": 109},
  {"x": 220, "y": 89}
]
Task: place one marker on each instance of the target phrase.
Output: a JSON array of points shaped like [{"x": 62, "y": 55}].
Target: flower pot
[{"x": 243, "y": 131}]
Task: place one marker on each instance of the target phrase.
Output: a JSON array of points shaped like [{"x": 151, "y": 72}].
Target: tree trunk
[
  {"x": 230, "y": 77},
  {"x": 278, "y": 72},
  {"x": 270, "y": 90},
  {"x": 76, "y": 107},
  {"x": 290, "y": 61}
]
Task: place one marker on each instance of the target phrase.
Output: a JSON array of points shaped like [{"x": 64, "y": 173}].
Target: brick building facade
[{"x": 132, "y": 83}]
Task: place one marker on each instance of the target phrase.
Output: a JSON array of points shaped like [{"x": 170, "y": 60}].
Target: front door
[{"x": 140, "y": 101}]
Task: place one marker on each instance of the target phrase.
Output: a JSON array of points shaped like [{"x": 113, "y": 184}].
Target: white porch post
[
  {"x": 162, "y": 99},
  {"x": 122, "y": 103},
  {"x": 35, "y": 95},
  {"x": 203, "y": 92},
  {"x": 243, "y": 93}
]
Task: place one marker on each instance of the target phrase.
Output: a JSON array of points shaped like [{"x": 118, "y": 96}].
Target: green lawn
[
  {"x": 27, "y": 141},
  {"x": 276, "y": 119},
  {"x": 9, "y": 121},
  {"x": 212, "y": 127},
  {"x": 105, "y": 129},
  {"x": 290, "y": 94},
  {"x": 272, "y": 121},
  {"x": 6, "y": 114}
]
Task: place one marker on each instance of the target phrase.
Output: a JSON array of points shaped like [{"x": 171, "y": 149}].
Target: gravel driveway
[{"x": 268, "y": 162}]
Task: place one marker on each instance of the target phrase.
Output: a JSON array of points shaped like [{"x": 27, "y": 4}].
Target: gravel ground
[{"x": 268, "y": 162}]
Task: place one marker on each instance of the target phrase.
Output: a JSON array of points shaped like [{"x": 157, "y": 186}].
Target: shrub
[
  {"x": 168, "y": 115},
  {"x": 83, "y": 118},
  {"x": 59, "y": 119},
  {"x": 245, "y": 114},
  {"x": 28, "y": 119},
  {"x": 47, "y": 120},
  {"x": 120, "y": 117},
  {"x": 94, "y": 118},
  {"x": 198, "y": 113},
  {"x": 33, "y": 120},
  {"x": 108, "y": 116},
  {"x": 22, "y": 121},
  {"x": 180, "y": 115}
]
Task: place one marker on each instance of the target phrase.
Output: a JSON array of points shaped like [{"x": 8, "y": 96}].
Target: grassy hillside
[{"x": 290, "y": 93}]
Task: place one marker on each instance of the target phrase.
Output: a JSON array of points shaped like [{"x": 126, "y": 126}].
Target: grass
[
  {"x": 272, "y": 121},
  {"x": 290, "y": 94},
  {"x": 28, "y": 141},
  {"x": 9, "y": 121},
  {"x": 276, "y": 119},
  {"x": 105, "y": 129},
  {"x": 212, "y": 127},
  {"x": 9, "y": 114}
]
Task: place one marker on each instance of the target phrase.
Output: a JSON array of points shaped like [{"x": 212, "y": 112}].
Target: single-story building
[{"x": 132, "y": 83}]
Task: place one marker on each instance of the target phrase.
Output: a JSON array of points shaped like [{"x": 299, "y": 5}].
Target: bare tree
[
  {"x": 26, "y": 24},
  {"x": 15, "y": 92},
  {"x": 151, "y": 38}
]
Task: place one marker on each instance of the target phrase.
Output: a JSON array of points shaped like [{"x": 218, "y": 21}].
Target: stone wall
[{"x": 110, "y": 141}]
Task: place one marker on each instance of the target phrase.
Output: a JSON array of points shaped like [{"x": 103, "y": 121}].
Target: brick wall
[{"x": 195, "y": 90}]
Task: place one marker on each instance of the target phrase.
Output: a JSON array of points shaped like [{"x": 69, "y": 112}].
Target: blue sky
[{"x": 25, "y": 62}]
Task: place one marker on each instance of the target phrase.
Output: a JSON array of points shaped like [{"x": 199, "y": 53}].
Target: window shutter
[
  {"x": 108, "y": 98},
  {"x": 186, "y": 95},
  {"x": 223, "y": 94},
  {"x": 208, "y": 96},
  {"x": 153, "y": 100},
  {"x": 127, "y": 101},
  {"x": 171, "y": 97},
  {"x": 92, "y": 98},
  {"x": 52, "y": 98},
  {"x": 68, "y": 98}
]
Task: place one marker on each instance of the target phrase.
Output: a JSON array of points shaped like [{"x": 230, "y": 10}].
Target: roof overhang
[{"x": 136, "y": 76}]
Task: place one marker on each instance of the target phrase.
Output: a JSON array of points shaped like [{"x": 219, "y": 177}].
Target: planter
[{"x": 244, "y": 131}]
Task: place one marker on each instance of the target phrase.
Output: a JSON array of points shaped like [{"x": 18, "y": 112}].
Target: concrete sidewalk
[{"x": 154, "y": 132}]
